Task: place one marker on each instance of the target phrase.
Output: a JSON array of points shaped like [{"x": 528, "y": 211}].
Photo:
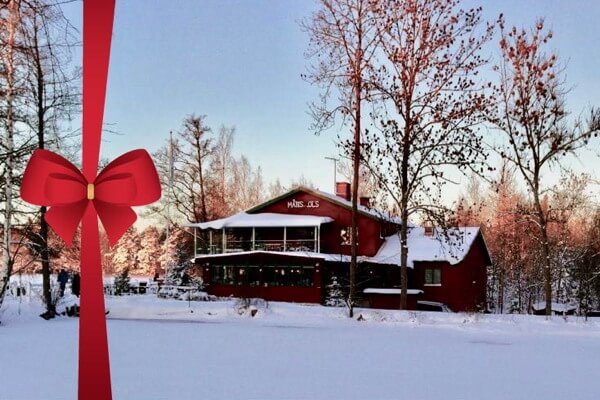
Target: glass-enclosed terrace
[{"x": 267, "y": 231}]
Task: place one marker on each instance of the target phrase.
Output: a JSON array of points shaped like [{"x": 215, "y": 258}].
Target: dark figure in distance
[
  {"x": 63, "y": 278},
  {"x": 76, "y": 284}
]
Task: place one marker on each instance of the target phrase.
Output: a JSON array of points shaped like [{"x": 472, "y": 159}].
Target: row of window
[
  {"x": 259, "y": 276},
  {"x": 285, "y": 276}
]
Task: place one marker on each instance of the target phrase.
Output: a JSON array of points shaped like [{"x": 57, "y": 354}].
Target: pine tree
[{"x": 121, "y": 283}]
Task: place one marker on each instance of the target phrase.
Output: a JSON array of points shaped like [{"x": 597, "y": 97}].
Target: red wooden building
[{"x": 290, "y": 248}]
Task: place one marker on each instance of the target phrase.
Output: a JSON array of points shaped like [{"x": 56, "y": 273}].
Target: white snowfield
[
  {"x": 163, "y": 349},
  {"x": 451, "y": 247}
]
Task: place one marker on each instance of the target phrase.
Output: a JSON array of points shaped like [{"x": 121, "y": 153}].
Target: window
[
  {"x": 288, "y": 276},
  {"x": 346, "y": 236},
  {"x": 229, "y": 274},
  {"x": 433, "y": 276}
]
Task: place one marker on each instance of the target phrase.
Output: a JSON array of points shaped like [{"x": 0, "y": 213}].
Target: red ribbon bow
[{"x": 51, "y": 180}]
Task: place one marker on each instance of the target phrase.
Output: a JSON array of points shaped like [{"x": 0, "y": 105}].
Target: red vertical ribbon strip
[
  {"x": 74, "y": 196},
  {"x": 94, "y": 367}
]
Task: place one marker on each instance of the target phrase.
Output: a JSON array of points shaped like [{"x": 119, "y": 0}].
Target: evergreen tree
[
  {"x": 175, "y": 250},
  {"x": 121, "y": 283}
]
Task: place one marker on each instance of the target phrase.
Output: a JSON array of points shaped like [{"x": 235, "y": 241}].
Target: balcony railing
[{"x": 224, "y": 242}]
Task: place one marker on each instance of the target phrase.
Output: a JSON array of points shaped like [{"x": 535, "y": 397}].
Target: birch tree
[
  {"x": 10, "y": 25},
  {"x": 222, "y": 165},
  {"x": 532, "y": 116}
]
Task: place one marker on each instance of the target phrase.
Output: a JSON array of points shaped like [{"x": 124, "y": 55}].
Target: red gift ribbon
[{"x": 73, "y": 196}]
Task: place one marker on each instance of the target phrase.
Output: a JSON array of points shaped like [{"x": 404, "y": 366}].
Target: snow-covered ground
[{"x": 163, "y": 349}]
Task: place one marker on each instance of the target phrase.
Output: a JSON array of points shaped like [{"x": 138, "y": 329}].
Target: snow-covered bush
[
  {"x": 194, "y": 295},
  {"x": 168, "y": 292},
  {"x": 183, "y": 293},
  {"x": 250, "y": 306},
  {"x": 68, "y": 305}
]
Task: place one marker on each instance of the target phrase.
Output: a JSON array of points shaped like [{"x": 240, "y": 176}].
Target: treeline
[
  {"x": 506, "y": 215},
  {"x": 139, "y": 251}
]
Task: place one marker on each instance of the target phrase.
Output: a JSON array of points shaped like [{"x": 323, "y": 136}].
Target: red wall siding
[
  {"x": 272, "y": 293},
  {"x": 391, "y": 301},
  {"x": 463, "y": 285},
  {"x": 369, "y": 231}
]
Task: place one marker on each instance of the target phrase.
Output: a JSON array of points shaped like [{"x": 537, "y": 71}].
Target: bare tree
[
  {"x": 430, "y": 107},
  {"x": 221, "y": 168},
  {"x": 186, "y": 190},
  {"x": 343, "y": 41},
  {"x": 247, "y": 184},
  {"x": 208, "y": 180},
  {"x": 532, "y": 116},
  {"x": 195, "y": 156},
  {"x": 367, "y": 183}
]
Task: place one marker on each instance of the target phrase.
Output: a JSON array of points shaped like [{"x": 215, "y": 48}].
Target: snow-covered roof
[
  {"x": 391, "y": 291},
  {"x": 366, "y": 210},
  {"x": 380, "y": 215},
  {"x": 245, "y": 220},
  {"x": 451, "y": 247}
]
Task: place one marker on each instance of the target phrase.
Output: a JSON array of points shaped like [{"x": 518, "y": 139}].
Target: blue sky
[{"x": 239, "y": 62}]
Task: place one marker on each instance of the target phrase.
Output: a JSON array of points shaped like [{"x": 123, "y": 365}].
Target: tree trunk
[
  {"x": 45, "y": 255},
  {"x": 501, "y": 292},
  {"x": 404, "y": 213},
  {"x": 41, "y": 131},
  {"x": 201, "y": 178},
  {"x": 404, "y": 260},
  {"x": 7, "y": 261},
  {"x": 355, "y": 179},
  {"x": 545, "y": 253}
]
